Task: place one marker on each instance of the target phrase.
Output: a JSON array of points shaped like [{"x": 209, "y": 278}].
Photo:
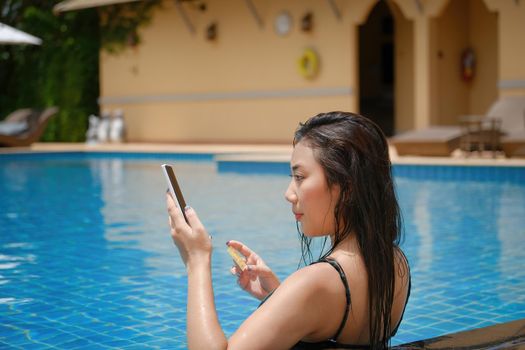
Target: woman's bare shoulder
[
  {"x": 312, "y": 287},
  {"x": 313, "y": 278},
  {"x": 320, "y": 286},
  {"x": 321, "y": 273}
]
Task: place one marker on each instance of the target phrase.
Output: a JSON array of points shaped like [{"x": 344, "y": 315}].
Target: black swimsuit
[{"x": 332, "y": 342}]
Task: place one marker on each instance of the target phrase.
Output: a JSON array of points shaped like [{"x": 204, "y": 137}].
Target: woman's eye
[{"x": 298, "y": 178}]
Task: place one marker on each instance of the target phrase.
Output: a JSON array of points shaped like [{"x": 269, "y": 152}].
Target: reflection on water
[
  {"x": 422, "y": 222},
  {"x": 8, "y": 262},
  {"x": 134, "y": 213},
  {"x": 231, "y": 207}
]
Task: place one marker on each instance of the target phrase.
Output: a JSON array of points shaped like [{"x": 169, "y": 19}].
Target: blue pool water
[{"x": 86, "y": 260}]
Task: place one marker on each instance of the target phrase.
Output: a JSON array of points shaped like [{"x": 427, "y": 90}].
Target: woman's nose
[{"x": 290, "y": 194}]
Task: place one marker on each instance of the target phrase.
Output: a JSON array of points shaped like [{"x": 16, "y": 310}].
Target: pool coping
[
  {"x": 504, "y": 335},
  {"x": 274, "y": 153}
]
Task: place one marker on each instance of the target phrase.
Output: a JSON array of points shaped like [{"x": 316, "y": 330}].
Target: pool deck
[{"x": 252, "y": 153}]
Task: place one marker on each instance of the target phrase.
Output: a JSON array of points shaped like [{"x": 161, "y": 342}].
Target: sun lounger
[
  {"x": 511, "y": 111},
  {"x": 433, "y": 141},
  {"x": 19, "y": 115},
  {"x": 23, "y": 129},
  {"x": 506, "y": 117},
  {"x": 513, "y": 144}
]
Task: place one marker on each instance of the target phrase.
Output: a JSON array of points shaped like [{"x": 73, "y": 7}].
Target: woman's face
[{"x": 312, "y": 201}]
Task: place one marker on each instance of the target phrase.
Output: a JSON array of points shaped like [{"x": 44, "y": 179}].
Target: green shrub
[{"x": 64, "y": 70}]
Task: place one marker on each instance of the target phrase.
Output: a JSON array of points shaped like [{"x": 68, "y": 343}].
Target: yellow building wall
[
  {"x": 244, "y": 86},
  {"x": 511, "y": 48},
  {"x": 452, "y": 37},
  {"x": 483, "y": 37}
]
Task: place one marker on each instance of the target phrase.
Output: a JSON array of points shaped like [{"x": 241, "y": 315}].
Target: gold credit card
[{"x": 237, "y": 258}]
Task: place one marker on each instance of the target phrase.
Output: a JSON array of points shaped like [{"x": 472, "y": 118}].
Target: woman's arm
[
  {"x": 203, "y": 328},
  {"x": 194, "y": 244}
]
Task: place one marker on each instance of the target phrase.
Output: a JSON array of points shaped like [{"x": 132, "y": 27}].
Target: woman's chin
[
  {"x": 311, "y": 233},
  {"x": 304, "y": 229}
]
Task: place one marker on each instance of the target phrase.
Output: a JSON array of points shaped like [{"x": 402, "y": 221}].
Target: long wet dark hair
[{"x": 353, "y": 152}]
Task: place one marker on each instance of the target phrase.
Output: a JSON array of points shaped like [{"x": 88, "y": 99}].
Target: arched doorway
[{"x": 376, "y": 67}]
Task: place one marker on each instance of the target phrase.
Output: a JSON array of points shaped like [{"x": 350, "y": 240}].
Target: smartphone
[{"x": 174, "y": 188}]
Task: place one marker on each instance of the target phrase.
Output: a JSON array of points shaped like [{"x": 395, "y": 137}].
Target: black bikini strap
[{"x": 341, "y": 272}]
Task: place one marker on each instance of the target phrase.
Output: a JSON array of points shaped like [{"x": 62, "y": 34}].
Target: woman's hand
[
  {"x": 191, "y": 239},
  {"x": 257, "y": 278}
]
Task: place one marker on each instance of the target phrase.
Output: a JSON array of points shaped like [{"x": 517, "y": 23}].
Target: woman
[{"x": 354, "y": 296}]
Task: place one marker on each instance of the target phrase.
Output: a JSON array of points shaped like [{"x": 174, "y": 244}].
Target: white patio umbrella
[
  {"x": 10, "y": 35},
  {"x": 70, "y": 5}
]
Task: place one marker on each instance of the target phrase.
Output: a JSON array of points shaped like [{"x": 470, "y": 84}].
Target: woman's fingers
[
  {"x": 243, "y": 280},
  {"x": 257, "y": 270},
  {"x": 242, "y": 277},
  {"x": 177, "y": 219},
  {"x": 193, "y": 219},
  {"x": 243, "y": 249},
  {"x": 235, "y": 271}
]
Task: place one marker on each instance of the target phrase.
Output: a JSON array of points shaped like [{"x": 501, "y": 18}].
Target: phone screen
[{"x": 174, "y": 187}]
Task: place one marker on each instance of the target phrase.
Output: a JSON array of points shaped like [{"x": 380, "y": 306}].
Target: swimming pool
[{"x": 86, "y": 260}]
